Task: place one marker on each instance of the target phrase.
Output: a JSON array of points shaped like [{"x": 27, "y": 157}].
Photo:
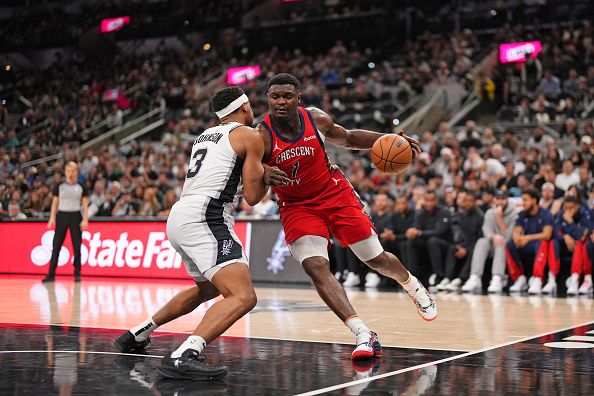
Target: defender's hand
[
  {"x": 273, "y": 176},
  {"x": 416, "y": 148}
]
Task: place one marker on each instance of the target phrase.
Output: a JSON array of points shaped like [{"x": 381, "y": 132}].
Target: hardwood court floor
[
  {"x": 57, "y": 339},
  {"x": 465, "y": 322}
]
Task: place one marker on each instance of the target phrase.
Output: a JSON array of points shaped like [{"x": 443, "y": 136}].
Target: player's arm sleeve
[
  {"x": 254, "y": 188},
  {"x": 359, "y": 139}
]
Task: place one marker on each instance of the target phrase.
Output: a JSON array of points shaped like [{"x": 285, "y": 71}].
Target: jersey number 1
[
  {"x": 295, "y": 169},
  {"x": 196, "y": 162}
]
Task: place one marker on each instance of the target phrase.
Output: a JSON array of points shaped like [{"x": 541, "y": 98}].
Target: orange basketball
[{"x": 391, "y": 154}]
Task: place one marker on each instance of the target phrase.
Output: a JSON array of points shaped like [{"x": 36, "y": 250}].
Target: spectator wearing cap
[
  {"x": 497, "y": 228},
  {"x": 431, "y": 232},
  {"x": 572, "y": 231},
  {"x": 467, "y": 225},
  {"x": 530, "y": 242},
  {"x": 568, "y": 177}
]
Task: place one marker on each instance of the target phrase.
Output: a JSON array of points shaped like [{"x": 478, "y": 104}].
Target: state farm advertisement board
[{"x": 134, "y": 249}]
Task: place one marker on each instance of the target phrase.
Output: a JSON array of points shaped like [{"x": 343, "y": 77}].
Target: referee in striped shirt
[{"x": 68, "y": 199}]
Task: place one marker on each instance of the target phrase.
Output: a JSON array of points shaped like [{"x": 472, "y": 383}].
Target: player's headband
[{"x": 232, "y": 106}]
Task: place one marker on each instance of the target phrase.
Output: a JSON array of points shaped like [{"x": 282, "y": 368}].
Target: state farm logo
[
  {"x": 98, "y": 252},
  {"x": 41, "y": 255}
]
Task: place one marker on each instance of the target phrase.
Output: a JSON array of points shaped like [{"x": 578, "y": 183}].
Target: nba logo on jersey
[{"x": 227, "y": 245}]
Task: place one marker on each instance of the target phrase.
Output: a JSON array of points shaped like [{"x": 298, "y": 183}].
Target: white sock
[
  {"x": 575, "y": 276},
  {"x": 358, "y": 328},
  {"x": 193, "y": 342},
  {"x": 144, "y": 330},
  {"x": 411, "y": 284}
]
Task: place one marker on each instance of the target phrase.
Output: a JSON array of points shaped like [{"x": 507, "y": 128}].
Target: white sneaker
[
  {"x": 426, "y": 306},
  {"x": 337, "y": 275},
  {"x": 573, "y": 283},
  {"x": 586, "y": 287},
  {"x": 372, "y": 280},
  {"x": 551, "y": 286},
  {"x": 496, "y": 284},
  {"x": 368, "y": 346},
  {"x": 454, "y": 286},
  {"x": 432, "y": 280},
  {"x": 352, "y": 280},
  {"x": 472, "y": 284},
  {"x": 443, "y": 284},
  {"x": 535, "y": 285},
  {"x": 519, "y": 285}
]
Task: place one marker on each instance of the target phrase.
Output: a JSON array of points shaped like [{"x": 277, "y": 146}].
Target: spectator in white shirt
[
  {"x": 14, "y": 211},
  {"x": 568, "y": 177}
]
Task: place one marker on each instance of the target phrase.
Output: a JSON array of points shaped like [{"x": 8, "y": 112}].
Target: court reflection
[{"x": 465, "y": 322}]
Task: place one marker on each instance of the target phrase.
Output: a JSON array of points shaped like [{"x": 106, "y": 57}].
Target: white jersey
[
  {"x": 200, "y": 225},
  {"x": 215, "y": 169}
]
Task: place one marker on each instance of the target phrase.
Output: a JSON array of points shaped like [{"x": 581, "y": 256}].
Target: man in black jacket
[
  {"x": 467, "y": 230},
  {"x": 432, "y": 233},
  {"x": 393, "y": 233}
]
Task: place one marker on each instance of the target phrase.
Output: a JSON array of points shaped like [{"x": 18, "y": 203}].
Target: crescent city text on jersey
[
  {"x": 210, "y": 137},
  {"x": 295, "y": 152}
]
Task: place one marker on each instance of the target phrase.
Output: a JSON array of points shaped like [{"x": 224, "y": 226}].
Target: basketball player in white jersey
[{"x": 225, "y": 163}]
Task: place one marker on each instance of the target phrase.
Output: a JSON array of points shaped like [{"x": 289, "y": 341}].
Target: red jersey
[
  {"x": 305, "y": 162},
  {"x": 319, "y": 200}
]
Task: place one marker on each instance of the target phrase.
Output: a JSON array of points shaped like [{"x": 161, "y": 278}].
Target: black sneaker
[
  {"x": 127, "y": 343},
  {"x": 190, "y": 365},
  {"x": 48, "y": 278},
  {"x": 77, "y": 278}
]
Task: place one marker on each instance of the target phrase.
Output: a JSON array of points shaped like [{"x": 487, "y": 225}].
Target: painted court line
[
  {"x": 89, "y": 352},
  {"x": 420, "y": 366}
]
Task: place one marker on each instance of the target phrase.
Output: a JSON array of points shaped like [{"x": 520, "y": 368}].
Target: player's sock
[
  {"x": 196, "y": 343},
  {"x": 144, "y": 330},
  {"x": 358, "y": 328},
  {"x": 411, "y": 284}
]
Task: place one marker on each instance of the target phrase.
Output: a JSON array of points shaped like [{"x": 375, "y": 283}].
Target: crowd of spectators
[
  {"x": 445, "y": 203},
  {"x": 58, "y": 24},
  {"x": 553, "y": 86}
]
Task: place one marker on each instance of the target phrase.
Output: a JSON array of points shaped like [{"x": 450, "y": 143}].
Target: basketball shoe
[
  {"x": 127, "y": 343},
  {"x": 426, "y": 306},
  {"x": 190, "y": 365},
  {"x": 367, "y": 347}
]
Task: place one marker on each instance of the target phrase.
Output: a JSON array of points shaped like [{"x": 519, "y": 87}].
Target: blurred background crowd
[{"x": 486, "y": 128}]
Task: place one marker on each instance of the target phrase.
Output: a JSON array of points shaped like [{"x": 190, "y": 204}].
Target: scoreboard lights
[
  {"x": 109, "y": 25},
  {"x": 518, "y": 52}
]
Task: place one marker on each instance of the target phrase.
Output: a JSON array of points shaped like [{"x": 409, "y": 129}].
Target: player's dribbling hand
[
  {"x": 273, "y": 176},
  {"x": 416, "y": 148}
]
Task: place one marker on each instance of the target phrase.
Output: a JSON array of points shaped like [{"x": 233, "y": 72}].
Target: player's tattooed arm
[{"x": 356, "y": 139}]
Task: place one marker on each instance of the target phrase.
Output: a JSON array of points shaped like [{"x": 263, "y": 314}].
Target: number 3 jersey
[
  {"x": 304, "y": 160},
  {"x": 215, "y": 169}
]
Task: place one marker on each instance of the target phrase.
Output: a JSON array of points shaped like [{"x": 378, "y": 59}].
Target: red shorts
[{"x": 342, "y": 216}]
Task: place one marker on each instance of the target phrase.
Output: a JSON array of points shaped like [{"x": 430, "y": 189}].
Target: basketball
[{"x": 391, "y": 154}]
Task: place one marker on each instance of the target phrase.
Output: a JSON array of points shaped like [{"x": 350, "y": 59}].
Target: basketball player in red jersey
[{"x": 318, "y": 200}]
